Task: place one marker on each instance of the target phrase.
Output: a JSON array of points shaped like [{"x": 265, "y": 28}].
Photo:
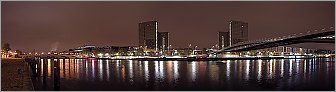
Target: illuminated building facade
[
  {"x": 238, "y": 32},
  {"x": 223, "y": 39},
  {"x": 163, "y": 40},
  {"x": 148, "y": 34}
]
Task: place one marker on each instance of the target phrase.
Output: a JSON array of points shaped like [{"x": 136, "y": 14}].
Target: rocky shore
[{"x": 15, "y": 75}]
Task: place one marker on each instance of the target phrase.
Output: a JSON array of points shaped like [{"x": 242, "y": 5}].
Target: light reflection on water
[
  {"x": 81, "y": 74},
  {"x": 228, "y": 69},
  {"x": 259, "y": 69}
]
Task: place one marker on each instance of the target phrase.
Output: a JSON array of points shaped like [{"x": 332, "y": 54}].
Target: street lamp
[
  {"x": 163, "y": 49},
  {"x": 188, "y": 49},
  {"x": 169, "y": 47},
  {"x": 195, "y": 49}
]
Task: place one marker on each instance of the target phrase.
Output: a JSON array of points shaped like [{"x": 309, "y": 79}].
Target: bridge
[{"x": 316, "y": 36}]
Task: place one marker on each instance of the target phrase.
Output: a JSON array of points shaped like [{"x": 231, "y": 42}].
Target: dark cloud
[{"x": 38, "y": 25}]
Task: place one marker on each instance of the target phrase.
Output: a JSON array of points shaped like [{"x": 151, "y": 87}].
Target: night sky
[{"x": 62, "y": 25}]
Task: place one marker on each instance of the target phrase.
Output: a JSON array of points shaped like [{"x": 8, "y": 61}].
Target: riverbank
[
  {"x": 15, "y": 75},
  {"x": 190, "y": 58},
  {"x": 200, "y": 59}
]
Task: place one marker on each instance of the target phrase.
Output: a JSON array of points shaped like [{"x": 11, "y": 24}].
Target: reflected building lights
[
  {"x": 291, "y": 72},
  {"x": 305, "y": 67},
  {"x": 193, "y": 71},
  {"x": 146, "y": 70},
  {"x": 92, "y": 70},
  {"x": 297, "y": 73},
  {"x": 228, "y": 69},
  {"x": 259, "y": 69},
  {"x": 77, "y": 63},
  {"x": 247, "y": 69},
  {"x": 214, "y": 72},
  {"x": 310, "y": 67},
  {"x": 73, "y": 67},
  {"x": 42, "y": 67},
  {"x": 169, "y": 69},
  {"x": 71, "y": 72},
  {"x": 156, "y": 70},
  {"x": 271, "y": 69},
  {"x": 327, "y": 66},
  {"x": 290, "y": 67},
  {"x": 49, "y": 67},
  {"x": 117, "y": 69},
  {"x": 100, "y": 69},
  {"x": 235, "y": 68},
  {"x": 61, "y": 68},
  {"x": 240, "y": 70},
  {"x": 282, "y": 68},
  {"x": 297, "y": 67},
  {"x": 176, "y": 74},
  {"x": 123, "y": 72},
  {"x": 86, "y": 69},
  {"x": 274, "y": 67},
  {"x": 131, "y": 69},
  {"x": 314, "y": 65},
  {"x": 76, "y": 69},
  {"x": 161, "y": 70},
  {"x": 36, "y": 67},
  {"x": 140, "y": 69},
  {"x": 108, "y": 70},
  {"x": 68, "y": 68}
]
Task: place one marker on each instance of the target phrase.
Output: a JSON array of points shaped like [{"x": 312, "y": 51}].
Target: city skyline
[{"x": 64, "y": 25}]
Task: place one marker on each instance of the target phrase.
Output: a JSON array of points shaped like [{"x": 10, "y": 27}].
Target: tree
[
  {"x": 6, "y": 47},
  {"x": 122, "y": 51}
]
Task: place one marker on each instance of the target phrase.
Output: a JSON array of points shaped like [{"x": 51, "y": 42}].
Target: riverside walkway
[{"x": 15, "y": 75}]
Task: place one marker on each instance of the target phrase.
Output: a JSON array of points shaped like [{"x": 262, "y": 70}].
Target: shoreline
[
  {"x": 194, "y": 58},
  {"x": 15, "y": 75}
]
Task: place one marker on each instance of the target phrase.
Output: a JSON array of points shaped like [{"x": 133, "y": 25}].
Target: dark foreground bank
[{"x": 15, "y": 75}]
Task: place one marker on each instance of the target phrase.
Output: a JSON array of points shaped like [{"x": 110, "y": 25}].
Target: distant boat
[{"x": 91, "y": 58}]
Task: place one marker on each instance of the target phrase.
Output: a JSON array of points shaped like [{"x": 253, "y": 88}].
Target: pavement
[{"x": 15, "y": 75}]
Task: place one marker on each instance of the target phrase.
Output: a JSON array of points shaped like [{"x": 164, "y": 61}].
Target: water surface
[{"x": 276, "y": 74}]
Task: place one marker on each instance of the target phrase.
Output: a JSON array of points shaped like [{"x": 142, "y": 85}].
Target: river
[{"x": 228, "y": 75}]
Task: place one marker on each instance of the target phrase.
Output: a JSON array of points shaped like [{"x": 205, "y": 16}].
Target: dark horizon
[{"x": 43, "y": 26}]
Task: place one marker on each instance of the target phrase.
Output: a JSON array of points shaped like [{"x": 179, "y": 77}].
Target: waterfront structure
[
  {"x": 83, "y": 48},
  {"x": 148, "y": 34},
  {"x": 163, "y": 40},
  {"x": 238, "y": 31},
  {"x": 223, "y": 39},
  {"x": 106, "y": 50}
]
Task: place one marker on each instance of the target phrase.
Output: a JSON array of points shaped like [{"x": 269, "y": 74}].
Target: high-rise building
[
  {"x": 223, "y": 39},
  {"x": 238, "y": 32},
  {"x": 148, "y": 34},
  {"x": 163, "y": 40}
]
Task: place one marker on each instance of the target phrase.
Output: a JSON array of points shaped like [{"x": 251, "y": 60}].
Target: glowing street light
[{"x": 100, "y": 55}]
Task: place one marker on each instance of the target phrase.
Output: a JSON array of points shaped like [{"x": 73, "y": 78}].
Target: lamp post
[
  {"x": 145, "y": 50},
  {"x": 195, "y": 50},
  {"x": 189, "y": 50},
  {"x": 169, "y": 49},
  {"x": 163, "y": 50}
]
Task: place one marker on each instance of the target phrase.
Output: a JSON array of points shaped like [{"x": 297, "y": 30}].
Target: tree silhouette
[{"x": 6, "y": 47}]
